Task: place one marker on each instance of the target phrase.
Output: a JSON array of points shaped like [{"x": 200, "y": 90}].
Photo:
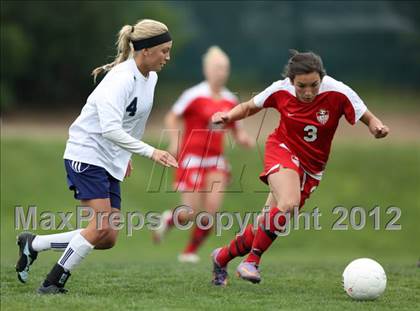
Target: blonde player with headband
[{"x": 101, "y": 141}]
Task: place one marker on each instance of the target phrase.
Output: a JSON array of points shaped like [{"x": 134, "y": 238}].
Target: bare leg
[{"x": 98, "y": 232}]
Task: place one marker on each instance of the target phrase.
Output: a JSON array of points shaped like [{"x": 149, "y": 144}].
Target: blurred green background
[{"x": 48, "y": 50}]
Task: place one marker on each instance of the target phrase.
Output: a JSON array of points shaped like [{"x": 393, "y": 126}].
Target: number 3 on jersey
[
  {"x": 132, "y": 108},
  {"x": 310, "y": 133}
]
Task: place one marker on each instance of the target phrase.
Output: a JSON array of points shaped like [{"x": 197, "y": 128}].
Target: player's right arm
[
  {"x": 376, "y": 127},
  {"x": 239, "y": 112},
  {"x": 110, "y": 105}
]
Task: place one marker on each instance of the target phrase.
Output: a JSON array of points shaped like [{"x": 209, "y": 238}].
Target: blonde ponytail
[{"x": 145, "y": 28}]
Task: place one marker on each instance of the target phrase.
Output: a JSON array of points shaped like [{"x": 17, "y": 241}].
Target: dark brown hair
[{"x": 303, "y": 63}]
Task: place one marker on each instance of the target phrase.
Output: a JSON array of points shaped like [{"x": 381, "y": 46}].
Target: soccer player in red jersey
[
  {"x": 203, "y": 172},
  {"x": 310, "y": 104}
]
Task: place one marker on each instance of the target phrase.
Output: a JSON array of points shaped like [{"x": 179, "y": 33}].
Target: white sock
[
  {"x": 77, "y": 249},
  {"x": 57, "y": 241}
]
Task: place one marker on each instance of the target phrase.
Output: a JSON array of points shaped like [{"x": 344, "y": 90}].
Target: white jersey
[{"x": 122, "y": 100}]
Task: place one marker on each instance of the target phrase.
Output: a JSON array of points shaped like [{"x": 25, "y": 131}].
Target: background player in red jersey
[
  {"x": 203, "y": 172},
  {"x": 310, "y": 104}
]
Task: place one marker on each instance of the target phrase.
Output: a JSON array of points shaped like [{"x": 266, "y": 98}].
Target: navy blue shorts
[{"x": 92, "y": 182}]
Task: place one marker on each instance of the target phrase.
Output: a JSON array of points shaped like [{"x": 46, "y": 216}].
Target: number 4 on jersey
[{"x": 132, "y": 108}]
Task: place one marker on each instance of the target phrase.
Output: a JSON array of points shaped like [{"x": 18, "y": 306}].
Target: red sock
[
  {"x": 239, "y": 246},
  {"x": 170, "y": 222},
  {"x": 265, "y": 234},
  {"x": 197, "y": 238}
]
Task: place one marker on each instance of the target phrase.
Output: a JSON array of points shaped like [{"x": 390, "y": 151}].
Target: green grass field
[{"x": 301, "y": 271}]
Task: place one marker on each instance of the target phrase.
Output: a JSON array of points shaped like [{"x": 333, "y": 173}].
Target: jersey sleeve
[
  {"x": 182, "y": 103},
  {"x": 354, "y": 107},
  {"x": 110, "y": 103},
  {"x": 265, "y": 99}
]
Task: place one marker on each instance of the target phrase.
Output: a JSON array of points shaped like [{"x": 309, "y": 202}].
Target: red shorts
[
  {"x": 278, "y": 155},
  {"x": 193, "y": 170}
]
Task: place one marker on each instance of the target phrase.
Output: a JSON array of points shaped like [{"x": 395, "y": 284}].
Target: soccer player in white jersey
[
  {"x": 204, "y": 172},
  {"x": 101, "y": 141},
  {"x": 310, "y": 104}
]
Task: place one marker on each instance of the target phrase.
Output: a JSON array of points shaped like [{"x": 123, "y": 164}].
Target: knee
[
  {"x": 183, "y": 213},
  {"x": 108, "y": 242},
  {"x": 184, "y": 217},
  {"x": 107, "y": 238},
  {"x": 287, "y": 206},
  {"x": 205, "y": 220}
]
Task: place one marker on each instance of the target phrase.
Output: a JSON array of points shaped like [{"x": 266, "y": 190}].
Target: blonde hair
[
  {"x": 212, "y": 52},
  {"x": 144, "y": 29}
]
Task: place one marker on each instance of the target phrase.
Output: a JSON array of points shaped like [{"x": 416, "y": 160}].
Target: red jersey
[
  {"x": 307, "y": 129},
  {"x": 196, "y": 106}
]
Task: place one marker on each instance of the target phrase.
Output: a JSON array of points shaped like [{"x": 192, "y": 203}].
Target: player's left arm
[{"x": 376, "y": 127}]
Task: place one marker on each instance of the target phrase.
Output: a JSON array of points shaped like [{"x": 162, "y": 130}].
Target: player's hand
[
  {"x": 220, "y": 118},
  {"x": 379, "y": 130},
  {"x": 164, "y": 158},
  {"x": 129, "y": 169}
]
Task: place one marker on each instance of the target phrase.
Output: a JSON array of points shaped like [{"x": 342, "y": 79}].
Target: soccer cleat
[
  {"x": 248, "y": 271},
  {"x": 51, "y": 290},
  {"x": 188, "y": 258},
  {"x": 55, "y": 281},
  {"x": 220, "y": 274},
  {"x": 160, "y": 231},
  {"x": 26, "y": 255}
]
